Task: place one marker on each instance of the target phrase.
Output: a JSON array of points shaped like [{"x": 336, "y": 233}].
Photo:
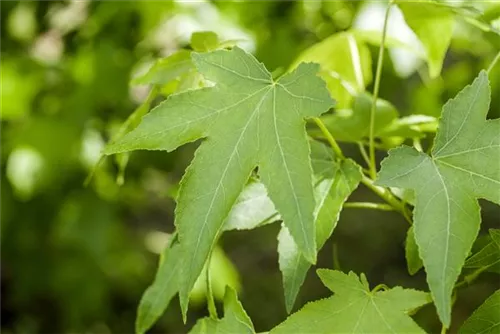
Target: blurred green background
[{"x": 76, "y": 259}]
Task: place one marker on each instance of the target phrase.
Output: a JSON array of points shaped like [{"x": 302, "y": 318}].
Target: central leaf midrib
[
  {"x": 448, "y": 226},
  {"x": 297, "y": 206},
  {"x": 215, "y": 194}
]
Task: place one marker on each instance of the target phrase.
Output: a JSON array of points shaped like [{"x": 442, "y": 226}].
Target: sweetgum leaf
[
  {"x": 447, "y": 185},
  {"x": 235, "y": 319},
  {"x": 355, "y": 309},
  {"x": 331, "y": 191},
  {"x": 250, "y": 120},
  {"x": 486, "y": 319}
]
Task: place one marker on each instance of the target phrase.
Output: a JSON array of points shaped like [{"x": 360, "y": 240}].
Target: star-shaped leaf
[
  {"x": 235, "y": 319},
  {"x": 461, "y": 169},
  {"x": 355, "y": 309},
  {"x": 250, "y": 120}
]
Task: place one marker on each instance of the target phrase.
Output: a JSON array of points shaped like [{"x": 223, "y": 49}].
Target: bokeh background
[{"x": 75, "y": 258}]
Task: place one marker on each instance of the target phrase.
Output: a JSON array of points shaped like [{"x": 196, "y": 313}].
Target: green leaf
[
  {"x": 235, "y": 319},
  {"x": 353, "y": 125},
  {"x": 413, "y": 260},
  {"x": 156, "y": 298},
  {"x": 250, "y": 120},
  {"x": 486, "y": 319},
  {"x": 345, "y": 65},
  {"x": 330, "y": 192},
  {"x": 433, "y": 26},
  {"x": 253, "y": 208},
  {"x": 167, "y": 69},
  {"x": 374, "y": 37},
  {"x": 447, "y": 185},
  {"x": 488, "y": 256},
  {"x": 495, "y": 236},
  {"x": 204, "y": 41},
  {"x": 355, "y": 309}
]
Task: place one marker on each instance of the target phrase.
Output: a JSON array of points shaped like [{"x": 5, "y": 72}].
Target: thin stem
[
  {"x": 471, "y": 277},
  {"x": 443, "y": 329},
  {"x": 329, "y": 138},
  {"x": 212, "y": 310},
  {"x": 369, "y": 205},
  {"x": 376, "y": 88},
  {"x": 364, "y": 154},
  {"x": 380, "y": 287},
  {"x": 493, "y": 63},
  {"x": 387, "y": 196}
]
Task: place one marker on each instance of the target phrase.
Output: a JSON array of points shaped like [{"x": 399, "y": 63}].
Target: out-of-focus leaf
[
  {"x": 353, "y": 125},
  {"x": 204, "y": 41},
  {"x": 374, "y": 37},
  {"x": 21, "y": 23},
  {"x": 486, "y": 319},
  {"x": 235, "y": 319},
  {"x": 17, "y": 90},
  {"x": 167, "y": 69},
  {"x": 433, "y": 25},
  {"x": 413, "y": 126},
  {"x": 345, "y": 65}
]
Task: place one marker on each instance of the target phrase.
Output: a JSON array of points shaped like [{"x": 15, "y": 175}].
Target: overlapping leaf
[
  {"x": 345, "y": 64},
  {"x": 335, "y": 181},
  {"x": 488, "y": 256},
  {"x": 353, "y": 125},
  {"x": 355, "y": 309},
  {"x": 486, "y": 319},
  {"x": 250, "y": 120},
  {"x": 235, "y": 319},
  {"x": 252, "y": 208},
  {"x": 447, "y": 185}
]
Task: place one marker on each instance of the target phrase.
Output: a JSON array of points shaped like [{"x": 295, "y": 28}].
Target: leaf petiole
[
  {"x": 212, "y": 310},
  {"x": 493, "y": 62},
  {"x": 376, "y": 88},
  {"x": 369, "y": 205},
  {"x": 329, "y": 138}
]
